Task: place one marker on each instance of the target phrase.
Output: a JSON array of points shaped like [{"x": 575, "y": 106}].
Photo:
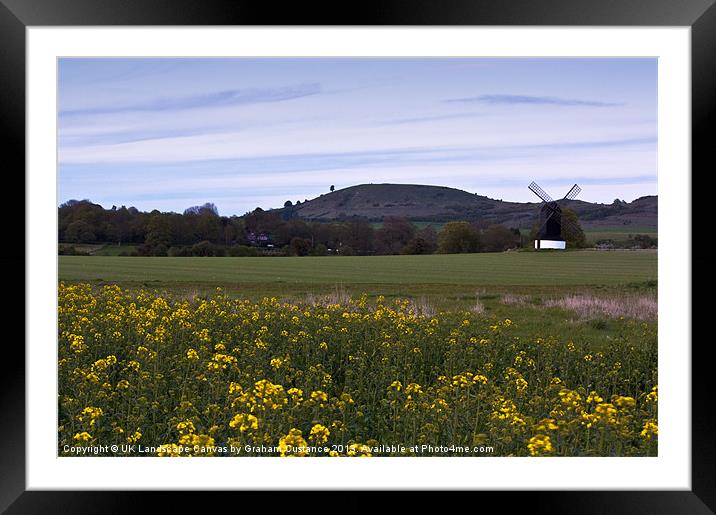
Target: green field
[{"x": 548, "y": 269}]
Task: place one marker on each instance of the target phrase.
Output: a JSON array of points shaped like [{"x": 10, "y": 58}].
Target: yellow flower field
[{"x": 146, "y": 374}]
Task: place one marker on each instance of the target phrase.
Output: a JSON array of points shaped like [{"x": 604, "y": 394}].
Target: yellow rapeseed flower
[
  {"x": 170, "y": 449},
  {"x": 319, "y": 434},
  {"x": 134, "y": 437},
  {"x": 244, "y": 421},
  {"x": 540, "y": 444},
  {"x": 293, "y": 444},
  {"x": 593, "y": 397},
  {"x": 650, "y": 429},
  {"x": 319, "y": 396},
  {"x": 84, "y": 436}
]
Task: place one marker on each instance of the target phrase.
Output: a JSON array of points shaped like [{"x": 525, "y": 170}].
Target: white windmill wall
[{"x": 550, "y": 244}]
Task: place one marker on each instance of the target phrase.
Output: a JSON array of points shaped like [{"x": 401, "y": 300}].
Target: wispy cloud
[
  {"x": 216, "y": 99},
  {"x": 436, "y": 118},
  {"x": 531, "y": 100}
]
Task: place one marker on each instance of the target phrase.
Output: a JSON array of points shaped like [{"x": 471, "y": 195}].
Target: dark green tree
[
  {"x": 458, "y": 237},
  {"x": 571, "y": 230},
  {"x": 395, "y": 233},
  {"x": 425, "y": 241},
  {"x": 80, "y": 231},
  {"x": 300, "y": 246},
  {"x": 158, "y": 231},
  {"x": 498, "y": 238}
]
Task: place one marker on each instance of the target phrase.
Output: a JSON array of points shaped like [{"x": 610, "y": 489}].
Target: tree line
[{"x": 201, "y": 231}]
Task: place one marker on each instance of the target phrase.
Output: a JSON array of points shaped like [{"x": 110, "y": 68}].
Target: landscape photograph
[{"x": 357, "y": 257}]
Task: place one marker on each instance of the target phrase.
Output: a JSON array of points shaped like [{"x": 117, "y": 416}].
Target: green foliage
[
  {"x": 395, "y": 233},
  {"x": 179, "y": 251},
  {"x": 206, "y": 248},
  {"x": 80, "y": 231},
  {"x": 425, "y": 241},
  {"x": 571, "y": 230},
  {"x": 300, "y": 246},
  {"x": 320, "y": 250},
  {"x": 458, "y": 237},
  {"x": 347, "y": 250},
  {"x": 498, "y": 238},
  {"x": 243, "y": 251},
  {"x": 71, "y": 250}
]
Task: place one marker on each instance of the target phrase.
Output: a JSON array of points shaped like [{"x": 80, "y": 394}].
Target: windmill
[{"x": 549, "y": 234}]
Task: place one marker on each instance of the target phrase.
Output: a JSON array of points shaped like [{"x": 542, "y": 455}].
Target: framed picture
[{"x": 131, "y": 119}]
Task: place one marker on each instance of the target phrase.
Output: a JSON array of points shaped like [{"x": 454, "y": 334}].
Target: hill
[{"x": 417, "y": 202}]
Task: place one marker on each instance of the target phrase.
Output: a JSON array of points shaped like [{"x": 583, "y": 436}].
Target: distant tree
[
  {"x": 498, "y": 238},
  {"x": 458, "y": 237},
  {"x": 300, "y": 246},
  {"x": 79, "y": 231},
  {"x": 328, "y": 234},
  {"x": 417, "y": 245},
  {"x": 571, "y": 230},
  {"x": 283, "y": 233},
  {"x": 229, "y": 233},
  {"x": 243, "y": 251},
  {"x": 158, "y": 232},
  {"x": 359, "y": 236},
  {"x": 209, "y": 207},
  {"x": 320, "y": 250},
  {"x": 206, "y": 248},
  {"x": 644, "y": 241},
  {"x": 332, "y": 188},
  {"x": 287, "y": 213},
  {"x": 238, "y": 229},
  {"x": 159, "y": 250},
  {"x": 425, "y": 241},
  {"x": 395, "y": 233},
  {"x": 69, "y": 203},
  {"x": 347, "y": 250},
  {"x": 260, "y": 221},
  {"x": 179, "y": 251}
]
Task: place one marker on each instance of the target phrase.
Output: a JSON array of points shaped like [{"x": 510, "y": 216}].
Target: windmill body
[{"x": 549, "y": 234}]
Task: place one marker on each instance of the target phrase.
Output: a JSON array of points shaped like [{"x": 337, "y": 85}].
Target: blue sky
[{"x": 172, "y": 133}]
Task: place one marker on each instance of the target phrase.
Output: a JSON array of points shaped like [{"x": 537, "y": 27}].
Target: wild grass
[
  {"x": 340, "y": 295},
  {"x": 478, "y": 308},
  {"x": 639, "y": 307},
  {"x": 512, "y": 299}
]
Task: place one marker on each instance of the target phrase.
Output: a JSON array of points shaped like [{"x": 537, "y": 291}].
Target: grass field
[{"x": 549, "y": 269}]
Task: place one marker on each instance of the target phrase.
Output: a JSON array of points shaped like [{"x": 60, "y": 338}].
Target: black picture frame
[{"x": 700, "y": 15}]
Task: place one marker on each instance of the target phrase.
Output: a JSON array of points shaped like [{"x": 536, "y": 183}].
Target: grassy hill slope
[{"x": 442, "y": 204}]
